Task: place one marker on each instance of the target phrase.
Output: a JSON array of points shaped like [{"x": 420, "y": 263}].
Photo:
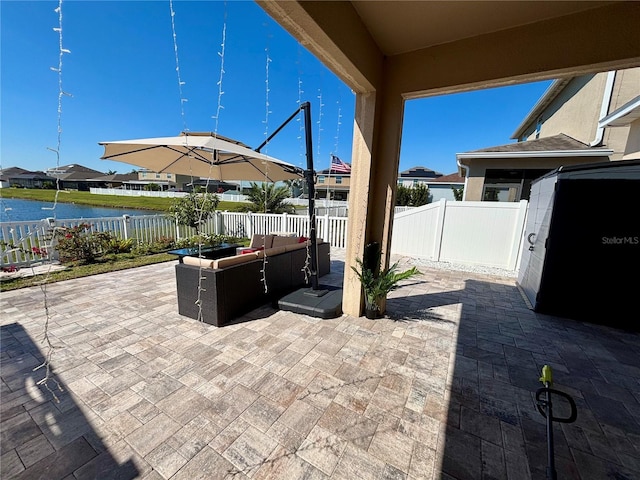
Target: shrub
[
  {"x": 194, "y": 209},
  {"x": 79, "y": 244}
]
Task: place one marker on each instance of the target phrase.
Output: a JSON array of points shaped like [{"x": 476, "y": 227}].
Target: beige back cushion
[
  {"x": 198, "y": 262},
  {"x": 258, "y": 241},
  {"x": 282, "y": 241}
]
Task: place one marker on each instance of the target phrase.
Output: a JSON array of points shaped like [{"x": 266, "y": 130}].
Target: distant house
[
  {"x": 440, "y": 186},
  {"x": 16, "y": 176},
  {"x": 75, "y": 177},
  {"x": 573, "y": 122}
]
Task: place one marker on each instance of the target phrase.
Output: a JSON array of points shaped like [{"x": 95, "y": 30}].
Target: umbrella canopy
[{"x": 200, "y": 155}]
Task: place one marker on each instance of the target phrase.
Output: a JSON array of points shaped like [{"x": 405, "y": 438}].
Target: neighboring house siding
[{"x": 582, "y": 99}]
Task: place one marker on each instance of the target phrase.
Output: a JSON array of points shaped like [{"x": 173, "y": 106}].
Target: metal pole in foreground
[{"x": 309, "y": 174}]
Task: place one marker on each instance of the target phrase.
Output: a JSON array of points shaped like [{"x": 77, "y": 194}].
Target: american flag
[{"x": 338, "y": 165}]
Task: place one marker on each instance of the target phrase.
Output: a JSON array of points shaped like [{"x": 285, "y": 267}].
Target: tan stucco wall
[
  {"x": 575, "y": 111},
  {"x": 632, "y": 149},
  {"x": 477, "y": 169}
]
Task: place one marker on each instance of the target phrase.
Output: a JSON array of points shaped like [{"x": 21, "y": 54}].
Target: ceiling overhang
[{"x": 424, "y": 48}]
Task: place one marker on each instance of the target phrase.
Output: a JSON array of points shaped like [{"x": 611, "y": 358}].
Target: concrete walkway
[{"x": 441, "y": 389}]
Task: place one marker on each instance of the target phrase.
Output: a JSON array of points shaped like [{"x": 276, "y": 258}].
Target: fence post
[
  {"x": 518, "y": 233},
  {"x": 125, "y": 224},
  {"x": 283, "y": 222},
  {"x": 177, "y": 229},
  {"x": 437, "y": 242},
  {"x": 217, "y": 226},
  {"x": 325, "y": 230},
  {"x": 249, "y": 225}
]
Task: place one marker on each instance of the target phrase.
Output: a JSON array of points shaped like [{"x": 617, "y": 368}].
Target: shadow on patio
[{"x": 42, "y": 438}]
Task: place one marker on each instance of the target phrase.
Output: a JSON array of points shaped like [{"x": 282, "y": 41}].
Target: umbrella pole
[{"x": 309, "y": 174}]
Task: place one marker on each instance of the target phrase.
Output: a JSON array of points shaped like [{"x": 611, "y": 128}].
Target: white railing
[
  {"x": 20, "y": 238},
  {"x": 481, "y": 233}
]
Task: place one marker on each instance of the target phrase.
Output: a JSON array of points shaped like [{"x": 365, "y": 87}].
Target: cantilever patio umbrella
[{"x": 201, "y": 155}]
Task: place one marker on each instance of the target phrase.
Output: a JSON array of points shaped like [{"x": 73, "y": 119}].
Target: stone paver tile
[
  {"x": 262, "y": 413},
  {"x": 18, "y": 430},
  {"x": 228, "y": 435},
  {"x": 278, "y": 389},
  {"x": 123, "y": 424},
  {"x": 321, "y": 391},
  {"x": 300, "y": 416},
  {"x": 322, "y": 449},
  {"x": 461, "y": 454},
  {"x": 493, "y": 463},
  {"x": 392, "y": 447},
  {"x": 152, "y": 434},
  {"x": 106, "y": 467},
  {"x": 117, "y": 404},
  {"x": 285, "y": 436},
  {"x": 10, "y": 464},
  {"x": 183, "y": 404},
  {"x": 357, "y": 463},
  {"x": 144, "y": 411},
  {"x": 301, "y": 374},
  {"x": 159, "y": 386},
  {"x": 205, "y": 465},
  {"x": 480, "y": 425},
  {"x": 165, "y": 460},
  {"x": 286, "y": 465},
  {"x": 61, "y": 428},
  {"x": 193, "y": 437},
  {"x": 348, "y": 425},
  {"x": 62, "y": 462},
  {"x": 250, "y": 450},
  {"x": 34, "y": 450}
]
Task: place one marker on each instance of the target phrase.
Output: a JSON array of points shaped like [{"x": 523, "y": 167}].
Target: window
[
  {"x": 168, "y": 175},
  {"x": 321, "y": 179},
  {"x": 538, "y": 127},
  {"x": 338, "y": 180},
  {"x": 157, "y": 175}
]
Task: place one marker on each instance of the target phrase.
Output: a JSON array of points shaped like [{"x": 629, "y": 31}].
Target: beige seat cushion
[
  {"x": 198, "y": 262},
  {"x": 234, "y": 260}
]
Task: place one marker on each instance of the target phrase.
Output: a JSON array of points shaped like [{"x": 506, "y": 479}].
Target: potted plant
[{"x": 377, "y": 283}]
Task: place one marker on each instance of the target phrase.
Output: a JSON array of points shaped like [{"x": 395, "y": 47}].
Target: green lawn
[
  {"x": 113, "y": 263},
  {"x": 111, "y": 201}
]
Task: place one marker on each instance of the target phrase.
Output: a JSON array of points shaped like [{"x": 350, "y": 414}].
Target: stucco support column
[{"x": 375, "y": 160}]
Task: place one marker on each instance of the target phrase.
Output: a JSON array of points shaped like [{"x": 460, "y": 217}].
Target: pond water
[{"x": 16, "y": 210}]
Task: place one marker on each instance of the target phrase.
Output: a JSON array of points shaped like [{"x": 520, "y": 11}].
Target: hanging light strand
[
  {"x": 181, "y": 83},
  {"x": 266, "y": 149},
  {"x": 49, "y": 382}
]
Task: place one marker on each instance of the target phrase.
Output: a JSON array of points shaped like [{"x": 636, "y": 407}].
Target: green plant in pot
[{"x": 377, "y": 283}]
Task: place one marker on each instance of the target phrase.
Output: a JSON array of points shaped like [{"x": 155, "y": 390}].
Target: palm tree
[{"x": 267, "y": 198}]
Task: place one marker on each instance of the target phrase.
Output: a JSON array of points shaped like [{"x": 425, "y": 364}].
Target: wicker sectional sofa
[{"x": 233, "y": 286}]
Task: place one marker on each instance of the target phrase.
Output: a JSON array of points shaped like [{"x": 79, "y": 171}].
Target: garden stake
[{"x": 545, "y": 408}]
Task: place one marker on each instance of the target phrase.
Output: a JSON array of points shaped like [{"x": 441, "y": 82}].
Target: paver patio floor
[{"x": 442, "y": 388}]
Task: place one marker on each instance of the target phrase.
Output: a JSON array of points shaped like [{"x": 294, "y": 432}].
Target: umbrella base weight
[{"x": 306, "y": 301}]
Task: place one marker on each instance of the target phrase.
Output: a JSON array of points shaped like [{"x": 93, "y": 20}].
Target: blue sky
[{"x": 121, "y": 73}]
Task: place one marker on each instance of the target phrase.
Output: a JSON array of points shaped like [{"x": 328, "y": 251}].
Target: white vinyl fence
[
  {"x": 481, "y": 233},
  {"x": 23, "y": 243}
]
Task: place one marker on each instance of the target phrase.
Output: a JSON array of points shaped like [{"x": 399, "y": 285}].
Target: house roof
[
  {"x": 451, "y": 178},
  {"x": 11, "y": 171},
  {"x": 419, "y": 172},
  {"x": 116, "y": 177},
  {"x": 555, "y": 142},
  {"x": 556, "y": 146},
  {"x": 543, "y": 102}
]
